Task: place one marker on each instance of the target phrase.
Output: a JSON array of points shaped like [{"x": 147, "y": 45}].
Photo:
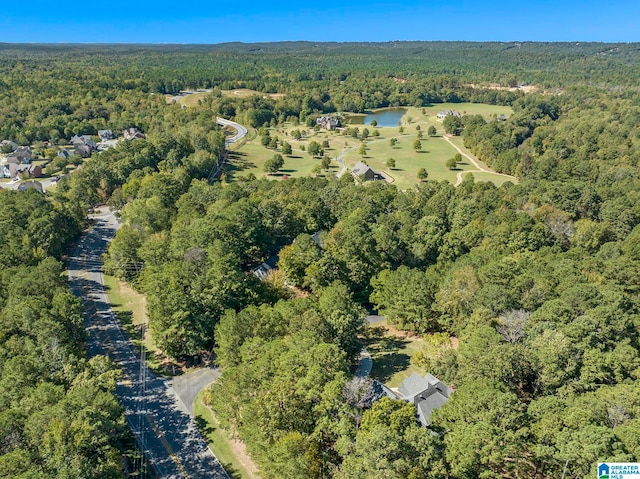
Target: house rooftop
[
  {"x": 426, "y": 393},
  {"x": 360, "y": 168},
  {"x": 413, "y": 385},
  {"x": 427, "y": 405}
]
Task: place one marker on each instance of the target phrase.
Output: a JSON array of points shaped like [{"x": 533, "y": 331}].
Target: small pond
[{"x": 389, "y": 117}]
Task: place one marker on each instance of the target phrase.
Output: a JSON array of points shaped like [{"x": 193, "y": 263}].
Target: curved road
[
  {"x": 340, "y": 160},
  {"x": 241, "y": 131},
  {"x": 160, "y": 421}
]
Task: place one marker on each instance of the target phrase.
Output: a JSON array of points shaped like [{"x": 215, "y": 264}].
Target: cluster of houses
[
  {"x": 18, "y": 159},
  {"x": 328, "y": 122},
  {"x": 442, "y": 114}
]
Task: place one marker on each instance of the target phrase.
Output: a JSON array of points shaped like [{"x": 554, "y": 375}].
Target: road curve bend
[
  {"x": 163, "y": 428},
  {"x": 241, "y": 131}
]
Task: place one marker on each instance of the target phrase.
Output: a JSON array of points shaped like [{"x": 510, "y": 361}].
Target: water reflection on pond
[{"x": 388, "y": 117}]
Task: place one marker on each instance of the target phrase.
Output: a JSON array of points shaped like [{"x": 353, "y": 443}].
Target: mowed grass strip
[
  {"x": 130, "y": 308},
  {"x": 220, "y": 442}
]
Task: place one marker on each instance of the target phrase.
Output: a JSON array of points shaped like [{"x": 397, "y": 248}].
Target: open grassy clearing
[
  {"x": 229, "y": 452},
  {"x": 193, "y": 98},
  {"x": 245, "y": 92},
  {"x": 391, "y": 351},
  {"x": 435, "y": 150},
  {"x": 251, "y": 156},
  {"x": 433, "y": 156},
  {"x": 487, "y": 111}
]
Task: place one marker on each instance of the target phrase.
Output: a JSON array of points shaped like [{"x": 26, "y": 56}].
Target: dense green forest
[
  {"x": 538, "y": 280},
  {"x": 58, "y": 414}
]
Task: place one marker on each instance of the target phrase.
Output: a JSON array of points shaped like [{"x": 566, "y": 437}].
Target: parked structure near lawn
[{"x": 442, "y": 114}]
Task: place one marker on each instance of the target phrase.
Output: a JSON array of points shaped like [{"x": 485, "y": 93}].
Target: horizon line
[{"x": 263, "y": 42}]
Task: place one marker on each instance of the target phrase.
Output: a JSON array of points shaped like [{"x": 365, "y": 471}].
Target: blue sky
[{"x": 159, "y": 21}]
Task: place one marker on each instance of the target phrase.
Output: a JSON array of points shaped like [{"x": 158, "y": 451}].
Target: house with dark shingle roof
[
  {"x": 83, "y": 140},
  {"x": 426, "y": 393},
  {"x": 83, "y": 150},
  {"x": 132, "y": 134},
  {"x": 34, "y": 171},
  {"x": 364, "y": 172},
  {"x": 261, "y": 271},
  {"x": 328, "y": 122},
  {"x": 23, "y": 154}
]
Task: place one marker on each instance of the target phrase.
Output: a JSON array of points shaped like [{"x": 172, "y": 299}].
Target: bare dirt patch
[
  {"x": 244, "y": 92},
  {"x": 495, "y": 86}
]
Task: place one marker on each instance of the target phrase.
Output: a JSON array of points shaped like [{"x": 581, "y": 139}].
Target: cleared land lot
[
  {"x": 194, "y": 98},
  {"x": 433, "y": 155}
]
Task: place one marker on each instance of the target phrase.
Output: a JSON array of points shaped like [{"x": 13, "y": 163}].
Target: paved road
[
  {"x": 365, "y": 363},
  {"x": 340, "y": 160},
  {"x": 374, "y": 318},
  {"x": 157, "y": 417},
  {"x": 187, "y": 386},
  {"x": 241, "y": 131}
]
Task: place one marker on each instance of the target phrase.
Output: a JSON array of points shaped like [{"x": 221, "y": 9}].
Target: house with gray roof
[
  {"x": 31, "y": 185},
  {"x": 364, "y": 172},
  {"x": 84, "y": 140},
  {"x": 426, "y": 393},
  {"x": 23, "y": 154},
  {"x": 328, "y": 122},
  {"x": 105, "y": 135},
  {"x": 34, "y": 171},
  {"x": 83, "y": 150},
  {"x": 261, "y": 271}
]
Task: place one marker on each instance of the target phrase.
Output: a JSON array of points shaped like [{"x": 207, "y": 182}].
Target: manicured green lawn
[
  {"x": 435, "y": 150},
  {"x": 433, "y": 156},
  {"x": 465, "y": 109},
  {"x": 219, "y": 442},
  {"x": 391, "y": 354},
  {"x": 250, "y": 157}
]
